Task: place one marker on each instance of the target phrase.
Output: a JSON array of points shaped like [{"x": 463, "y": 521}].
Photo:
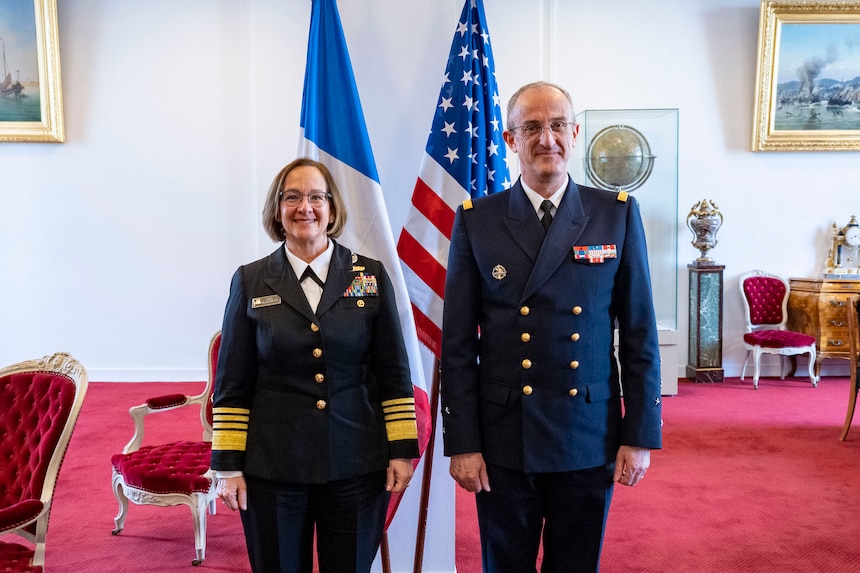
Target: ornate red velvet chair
[
  {"x": 40, "y": 401},
  {"x": 854, "y": 357},
  {"x": 173, "y": 473},
  {"x": 765, "y": 298}
]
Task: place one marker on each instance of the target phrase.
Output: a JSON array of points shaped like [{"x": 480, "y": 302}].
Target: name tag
[
  {"x": 595, "y": 253},
  {"x": 261, "y": 301}
]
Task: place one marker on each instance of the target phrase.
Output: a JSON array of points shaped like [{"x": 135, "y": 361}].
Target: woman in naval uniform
[{"x": 314, "y": 417}]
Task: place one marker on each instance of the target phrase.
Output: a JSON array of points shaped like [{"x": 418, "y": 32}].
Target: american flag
[
  {"x": 333, "y": 132},
  {"x": 464, "y": 157}
]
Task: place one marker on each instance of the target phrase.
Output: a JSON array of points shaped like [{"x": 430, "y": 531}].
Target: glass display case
[{"x": 636, "y": 151}]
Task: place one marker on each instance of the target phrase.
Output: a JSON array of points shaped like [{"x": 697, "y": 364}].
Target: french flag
[{"x": 333, "y": 132}]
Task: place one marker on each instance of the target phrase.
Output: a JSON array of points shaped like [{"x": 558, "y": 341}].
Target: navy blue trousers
[
  {"x": 568, "y": 508},
  {"x": 347, "y": 515}
]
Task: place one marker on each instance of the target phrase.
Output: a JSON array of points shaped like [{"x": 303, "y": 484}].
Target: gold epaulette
[
  {"x": 622, "y": 196},
  {"x": 467, "y": 204}
]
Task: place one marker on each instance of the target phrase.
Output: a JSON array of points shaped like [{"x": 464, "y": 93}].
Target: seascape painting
[
  {"x": 818, "y": 77},
  {"x": 19, "y": 74}
]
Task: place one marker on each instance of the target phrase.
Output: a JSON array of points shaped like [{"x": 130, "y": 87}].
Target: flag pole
[
  {"x": 386, "y": 554},
  {"x": 418, "y": 564}
]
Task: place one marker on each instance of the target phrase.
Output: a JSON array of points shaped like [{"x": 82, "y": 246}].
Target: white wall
[
  {"x": 118, "y": 245},
  {"x": 178, "y": 114}
]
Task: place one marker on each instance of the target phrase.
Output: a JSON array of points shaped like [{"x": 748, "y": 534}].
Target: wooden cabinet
[{"x": 819, "y": 307}]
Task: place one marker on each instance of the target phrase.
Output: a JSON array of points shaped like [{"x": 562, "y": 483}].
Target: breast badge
[{"x": 499, "y": 272}]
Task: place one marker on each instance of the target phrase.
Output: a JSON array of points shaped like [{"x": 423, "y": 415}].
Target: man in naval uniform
[{"x": 539, "y": 277}]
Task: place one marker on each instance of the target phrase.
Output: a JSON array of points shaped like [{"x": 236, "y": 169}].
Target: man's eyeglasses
[
  {"x": 295, "y": 199},
  {"x": 534, "y": 129}
]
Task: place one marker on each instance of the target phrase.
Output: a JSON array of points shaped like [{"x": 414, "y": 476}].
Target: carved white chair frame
[{"x": 199, "y": 503}]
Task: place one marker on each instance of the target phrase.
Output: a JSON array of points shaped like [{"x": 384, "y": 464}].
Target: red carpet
[{"x": 749, "y": 481}]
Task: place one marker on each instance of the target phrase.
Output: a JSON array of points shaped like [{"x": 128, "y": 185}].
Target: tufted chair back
[
  {"x": 40, "y": 401},
  {"x": 765, "y": 300}
]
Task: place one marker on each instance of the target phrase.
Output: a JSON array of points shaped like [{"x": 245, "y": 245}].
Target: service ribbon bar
[
  {"x": 362, "y": 285},
  {"x": 595, "y": 253}
]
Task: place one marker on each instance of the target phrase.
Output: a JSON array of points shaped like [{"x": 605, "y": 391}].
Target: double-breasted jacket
[{"x": 530, "y": 376}]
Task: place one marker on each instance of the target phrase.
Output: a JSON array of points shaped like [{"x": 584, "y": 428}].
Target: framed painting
[
  {"x": 808, "y": 77},
  {"x": 31, "y": 103}
]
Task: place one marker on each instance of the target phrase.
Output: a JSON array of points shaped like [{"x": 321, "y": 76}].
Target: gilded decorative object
[
  {"x": 704, "y": 220},
  {"x": 801, "y": 106},
  {"x": 36, "y": 93},
  {"x": 843, "y": 258}
]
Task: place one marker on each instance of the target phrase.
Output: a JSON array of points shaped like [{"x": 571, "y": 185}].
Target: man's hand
[
  {"x": 631, "y": 464},
  {"x": 470, "y": 471}
]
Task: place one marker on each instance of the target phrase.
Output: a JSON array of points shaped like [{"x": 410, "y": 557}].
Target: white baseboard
[{"x": 147, "y": 374}]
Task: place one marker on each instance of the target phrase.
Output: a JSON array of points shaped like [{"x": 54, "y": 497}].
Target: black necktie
[
  {"x": 309, "y": 272},
  {"x": 546, "y": 220}
]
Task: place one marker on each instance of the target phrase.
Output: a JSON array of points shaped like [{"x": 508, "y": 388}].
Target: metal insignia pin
[{"x": 499, "y": 272}]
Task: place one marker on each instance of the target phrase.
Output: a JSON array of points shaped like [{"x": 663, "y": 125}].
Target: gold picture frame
[
  {"x": 31, "y": 107},
  {"x": 799, "y": 105}
]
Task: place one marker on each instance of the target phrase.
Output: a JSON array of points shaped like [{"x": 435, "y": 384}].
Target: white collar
[
  {"x": 536, "y": 199},
  {"x": 319, "y": 265}
]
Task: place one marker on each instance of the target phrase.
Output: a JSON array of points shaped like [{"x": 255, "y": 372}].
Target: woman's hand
[
  {"x": 233, "y": 492},
  {"x": 398, "y": 475}
]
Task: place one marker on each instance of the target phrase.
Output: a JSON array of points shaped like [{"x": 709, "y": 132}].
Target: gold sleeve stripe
[
  {"x": 399, "y": 409},
  {"x": 229, "y": 410},
  {"x": 399, "y": 402},
  {"x": 229, "y": 426},
  {"x": 401, "y": 430},
  {"x": 223, "y": 418},
  {"x": 225, "y": 410},
  {"x": 400, "y": 416},
  {"x": 229, "y": 440}
]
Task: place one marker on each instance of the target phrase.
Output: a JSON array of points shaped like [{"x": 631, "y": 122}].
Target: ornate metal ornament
[{"x": 704, "y": 220}]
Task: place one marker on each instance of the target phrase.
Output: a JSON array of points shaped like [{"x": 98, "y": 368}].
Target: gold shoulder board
[
  {"x": 467, "y": 204},
  {"x": 622, "y": 196}
]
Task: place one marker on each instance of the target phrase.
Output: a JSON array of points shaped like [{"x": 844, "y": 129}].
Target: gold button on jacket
[{"x": 527, "y": 390}]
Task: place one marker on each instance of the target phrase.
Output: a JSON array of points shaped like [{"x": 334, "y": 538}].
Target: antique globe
[{"x": 619, "y": 158}]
